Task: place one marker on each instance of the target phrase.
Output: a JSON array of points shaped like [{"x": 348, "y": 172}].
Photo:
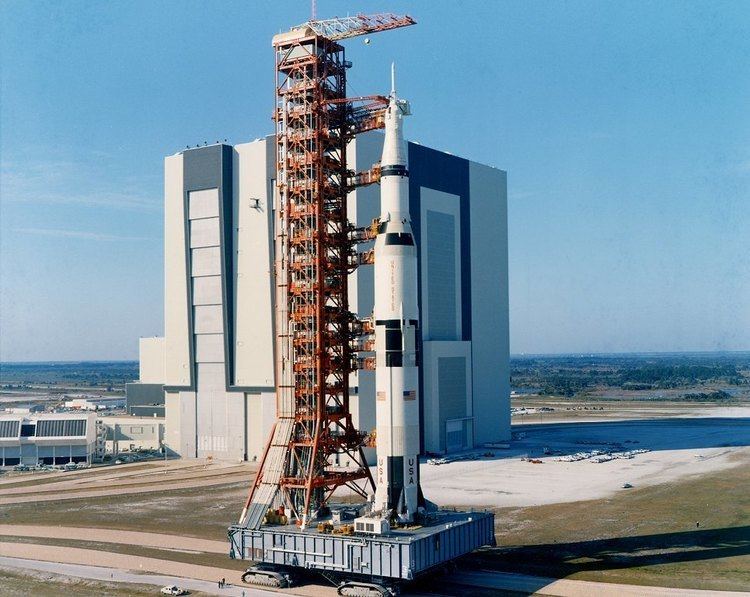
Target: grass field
[
  {"x": 201, "y": 559},
  {"x": 643, "y": 536}
]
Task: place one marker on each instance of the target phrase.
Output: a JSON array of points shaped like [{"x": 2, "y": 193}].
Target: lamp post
[{"x": 164, "y": 449}]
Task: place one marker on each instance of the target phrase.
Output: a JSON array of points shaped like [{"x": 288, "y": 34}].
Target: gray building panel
[
  {"x": 441, "y": 286},
  {"x": 443, "y": 172},
  {"x": 61, "y": 428},
  {"x": 450, "y": 174},
  {"x": 451, "y": 393},
  {"x": 145, "y": 399}
]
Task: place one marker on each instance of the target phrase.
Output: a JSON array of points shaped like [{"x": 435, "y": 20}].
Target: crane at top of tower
[{"x": 345, "y": 27}]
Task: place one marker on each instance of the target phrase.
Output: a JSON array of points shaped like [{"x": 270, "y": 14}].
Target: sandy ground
[
  {"x": 122, "y": 479},
  {"x": 157, "y": 540},
  {"x": 679, "y": 448},
  {"x": 525, "y": 584}
]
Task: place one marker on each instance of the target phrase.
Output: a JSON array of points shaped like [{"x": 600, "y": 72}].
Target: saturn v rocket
[{"x": 396, "y": 318}]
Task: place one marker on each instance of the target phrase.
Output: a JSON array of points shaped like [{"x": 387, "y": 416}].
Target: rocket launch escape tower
[{"x": 289, "y": 521}]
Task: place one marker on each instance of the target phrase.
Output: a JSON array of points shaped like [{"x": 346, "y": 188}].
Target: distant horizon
[{"x": 513, "y": 355}]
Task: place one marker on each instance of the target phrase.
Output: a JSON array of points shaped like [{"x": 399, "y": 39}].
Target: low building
[
  {"x": 57, "y": 438},
  {"x": 24, "y": 409},
  {"x": 127, "y": 434},
  {"x": 95, "y": 403}
]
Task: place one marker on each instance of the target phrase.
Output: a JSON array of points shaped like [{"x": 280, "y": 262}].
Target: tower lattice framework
[
  {"x": 312, "y": 266},
  {"x": 314, "y": 447}
]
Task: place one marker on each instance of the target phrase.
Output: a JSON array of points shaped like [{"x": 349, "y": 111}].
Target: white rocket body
[{"x": 396, "y": 318}]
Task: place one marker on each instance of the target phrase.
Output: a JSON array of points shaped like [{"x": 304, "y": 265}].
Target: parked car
[{"x": 173, "y": 590}]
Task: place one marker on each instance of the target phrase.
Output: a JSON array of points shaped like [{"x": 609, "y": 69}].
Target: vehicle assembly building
[
  {"x": 213, "y": 374},
  {"x": 219, "y": 307},
  {"x": 216, "y": 361}
]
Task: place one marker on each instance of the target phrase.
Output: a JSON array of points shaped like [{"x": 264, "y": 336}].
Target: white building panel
[
  {"x": 176, "y": 322},
  {"x": 210, "y": 377},
  {"x": 182, "y": 408},
  {"x": 220, "y": 422},
  {"x": 209, "y": 348},
  {"x": 204, "y": 204},
  {"x": 253, "y": 333},
  {"x": 209, "y": 319},
  {"x": 206, "y": 261},
  {"x": 205, "y": 233},
  {"x": 207, "y": 290},
  {"x": 261, "y": 415},
  {"x": 152, "y": 363}
]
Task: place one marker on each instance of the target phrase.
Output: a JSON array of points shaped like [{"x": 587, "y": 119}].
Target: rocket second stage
[{"x": 396, "y": 321}]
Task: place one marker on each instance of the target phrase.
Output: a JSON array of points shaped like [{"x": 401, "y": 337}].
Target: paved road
[
  {"x": 524, "y": 583},
  {"x": 123, "y": 562},
  {"x": 115, "y": 575}
]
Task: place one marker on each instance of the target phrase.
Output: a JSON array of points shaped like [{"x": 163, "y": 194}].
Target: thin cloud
[
  {"x": 31, "y": 183},
  {"x": 114, "y": 200},
  {"x": 78, "y": 234}
]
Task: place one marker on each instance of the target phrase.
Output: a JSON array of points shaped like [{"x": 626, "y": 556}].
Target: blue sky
[{"x": 624, "y": 128}]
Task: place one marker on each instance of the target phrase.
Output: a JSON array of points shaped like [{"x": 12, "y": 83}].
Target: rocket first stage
[{"x": 396, "y": 318}]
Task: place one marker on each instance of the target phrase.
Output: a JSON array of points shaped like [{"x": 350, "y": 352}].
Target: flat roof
[{"x": 445, "y": 519}]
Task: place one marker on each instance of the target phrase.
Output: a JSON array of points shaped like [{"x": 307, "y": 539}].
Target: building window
[
  {"x": 9, "y": 428},
  {"x": 62, "y": 428},
  {"x": 441, "y": 283}
]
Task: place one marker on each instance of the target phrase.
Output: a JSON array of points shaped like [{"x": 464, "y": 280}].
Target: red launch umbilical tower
[{"x": 314, "y": 447}]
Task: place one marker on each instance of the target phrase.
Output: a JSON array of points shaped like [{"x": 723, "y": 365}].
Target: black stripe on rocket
[{"x": 394, "y": 341}]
